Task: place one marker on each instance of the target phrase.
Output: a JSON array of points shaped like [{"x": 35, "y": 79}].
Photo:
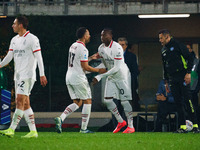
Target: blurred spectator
[
  {"x": 195, "y": 82},
  {"x": 132, "y": 48},
  {"x": 165, "y": 105}
]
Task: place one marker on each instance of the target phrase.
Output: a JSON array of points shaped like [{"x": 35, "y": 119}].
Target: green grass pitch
[{"x": 102, "y": 141}]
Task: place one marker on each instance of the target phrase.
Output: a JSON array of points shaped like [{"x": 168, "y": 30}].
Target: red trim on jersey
[
  {"x": 36, "y": 50},
  {"x": 81, "y": 43},
  {"x": 118, "y": 58},
  {"x": 84, "y": 60},
  {"x": 10, "y": 49},
  {"x": 111, "y": 44},
  {"x": 26, "y": 33}
]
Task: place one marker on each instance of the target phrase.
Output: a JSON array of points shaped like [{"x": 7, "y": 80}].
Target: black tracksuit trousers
[{"x": 182, "y": 97}]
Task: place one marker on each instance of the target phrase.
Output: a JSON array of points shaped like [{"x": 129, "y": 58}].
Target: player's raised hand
[
  {"x": 94, "y": 81},
  {"x": 43, "y": 81},
  {"x": 102, "y": 70}
]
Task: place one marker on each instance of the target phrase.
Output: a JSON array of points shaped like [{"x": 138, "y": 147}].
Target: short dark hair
[
  {"x": 188, "y": 43},
  {"x": 23, "y": 20},
  {"x": 80, "y": 32},
  {"x": 164, "y": 32},
  {"x": 108, "y": 30}
]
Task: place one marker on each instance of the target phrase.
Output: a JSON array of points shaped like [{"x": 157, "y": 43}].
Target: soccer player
[
  {"x": 76, "y": 80},
  {"x": 118, "y": 82},
  {"x": 26, "y": 51}
]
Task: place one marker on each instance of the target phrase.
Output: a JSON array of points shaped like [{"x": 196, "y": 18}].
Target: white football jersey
[
  {"x": 108, "y": 54},
  {"x": 77, "y": 53},
  {"x": 23, "y": 48}
]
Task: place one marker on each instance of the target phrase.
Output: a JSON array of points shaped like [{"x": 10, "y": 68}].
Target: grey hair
[{"x": 123, "y": 39}]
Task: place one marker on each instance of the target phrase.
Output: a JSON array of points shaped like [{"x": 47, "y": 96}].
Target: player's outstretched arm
[
  {"x": 86, "y": 67},
  {"x": 117, "y": 66},
  {"x": 7, "y": 59},
  {"x": 94, "y": 56}
]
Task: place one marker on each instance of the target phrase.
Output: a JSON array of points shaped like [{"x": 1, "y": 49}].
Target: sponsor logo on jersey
[
  {"x": 119, "y": 55},
  {"x": 19, "y": 51},
  {"x": 85, "y": 56},
  {"x": 110, "y": 61}
]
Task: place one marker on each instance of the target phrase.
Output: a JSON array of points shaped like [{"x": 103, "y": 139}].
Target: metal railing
[{"x": 14, "y": 7}]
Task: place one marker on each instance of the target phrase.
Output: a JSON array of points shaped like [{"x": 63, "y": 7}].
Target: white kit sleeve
[
  {"x": 117, "y": 65},
  {"x": 7, "y": 59},
  {"x": 38, "y": 56}
]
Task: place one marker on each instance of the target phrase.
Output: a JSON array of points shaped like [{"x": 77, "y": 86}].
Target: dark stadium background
[{"x": 57, "y": 33}]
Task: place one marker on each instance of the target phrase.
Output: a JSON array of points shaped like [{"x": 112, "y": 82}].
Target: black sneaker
[
  {"x": 195, "y": 130},
  {"x": 181, "y": 131}
]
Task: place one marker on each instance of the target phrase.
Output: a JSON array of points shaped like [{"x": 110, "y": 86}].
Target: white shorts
[
  {"x": 81, "y": 91},
  {"x": 24, "y": 87},
  {"x": 120, "y": 90}
]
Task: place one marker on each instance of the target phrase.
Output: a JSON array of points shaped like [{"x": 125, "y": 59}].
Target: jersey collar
[
  {"x": 26, "y": 33},
  {"x": 81, "y": 43},
  {"x": 111, "y": 44}
]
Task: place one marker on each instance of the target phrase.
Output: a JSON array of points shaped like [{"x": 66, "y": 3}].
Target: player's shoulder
[
  {"x": 116, "y": 45},
  {"x": 31, "y": 35},
  {"x": 14, "y": 38},
  {"x": 79, "y": 46},
  {"x": 101, "y": 47}
]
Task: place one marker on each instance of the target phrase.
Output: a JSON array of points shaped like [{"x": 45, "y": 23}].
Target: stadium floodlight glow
[
  {"x": 165, "y": 16},
  {"x": 3, "y": 16}
]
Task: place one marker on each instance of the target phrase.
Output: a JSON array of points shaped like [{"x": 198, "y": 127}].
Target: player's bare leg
[
  {"x": 86, "y": 115},
  {"x": 68, "y": 111},
  {"x": 113, "y": 109},
  {"x": 129, "y": 115}
]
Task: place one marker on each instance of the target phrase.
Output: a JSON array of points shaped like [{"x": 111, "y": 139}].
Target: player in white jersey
[
  {"x": 118, "y": 82},
  {"x": 76, "y": 81},
  {"x": 26, "y": 51}
]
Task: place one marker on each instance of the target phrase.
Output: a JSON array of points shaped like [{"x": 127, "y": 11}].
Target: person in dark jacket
[
  {"x": 165, "y": 105},
  {"x": 177, "y": 64}
]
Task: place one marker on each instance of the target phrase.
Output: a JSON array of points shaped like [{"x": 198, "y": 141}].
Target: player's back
[{"x": 77, "y": 53}]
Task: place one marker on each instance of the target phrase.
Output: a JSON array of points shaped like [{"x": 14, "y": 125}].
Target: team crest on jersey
[{"x": 172, "y": 48}]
